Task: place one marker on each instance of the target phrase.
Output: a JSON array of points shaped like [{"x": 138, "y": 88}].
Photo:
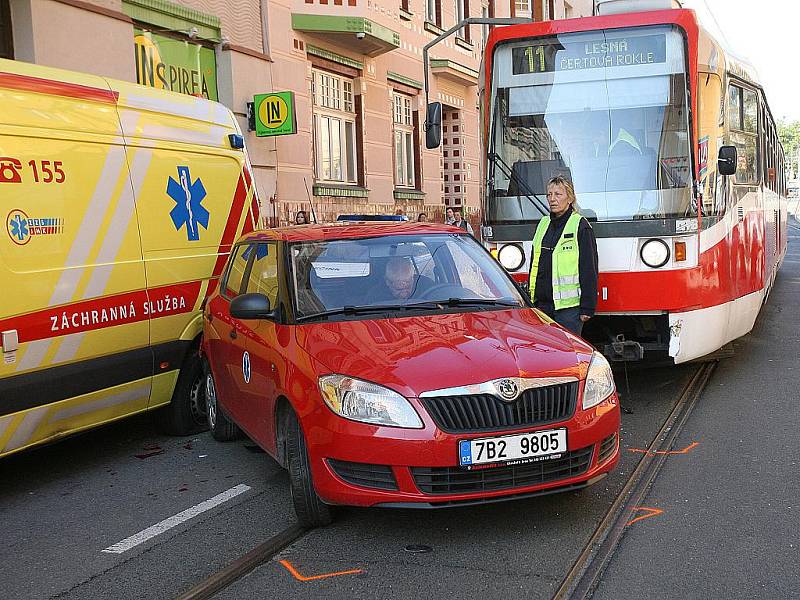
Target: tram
[{"x": 676, "y": 163}]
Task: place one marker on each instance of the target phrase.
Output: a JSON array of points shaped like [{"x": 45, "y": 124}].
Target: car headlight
[
  {"x": 599, "y": 381},
  {"x": 511, "y": 256},
  {"x": 367, "y": 402},
  {"x": 655, "y": 253}
]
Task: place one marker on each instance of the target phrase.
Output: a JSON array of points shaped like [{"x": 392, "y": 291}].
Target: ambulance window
[
  {"x": 236, "y": 270},
  {"x": 263, "y": 277}
]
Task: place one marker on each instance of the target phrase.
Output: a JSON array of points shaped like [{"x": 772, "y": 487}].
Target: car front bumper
[{"x": 363, "y": 465}]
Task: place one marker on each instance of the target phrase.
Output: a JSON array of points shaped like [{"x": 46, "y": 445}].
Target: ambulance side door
[{"x": 192, "y": 204}]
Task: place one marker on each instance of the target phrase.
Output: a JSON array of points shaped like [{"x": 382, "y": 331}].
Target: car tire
[
  {"x": 222, "y": 428},
  {"x": 311, "y": 511},
  {"x": 186, "y": 412}
]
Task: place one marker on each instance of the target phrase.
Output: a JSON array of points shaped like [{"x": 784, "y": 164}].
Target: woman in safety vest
[{"x": 563, "y": 278}]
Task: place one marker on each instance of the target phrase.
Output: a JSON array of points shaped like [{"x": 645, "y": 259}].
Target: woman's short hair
[{"x": 566, "y": 183}]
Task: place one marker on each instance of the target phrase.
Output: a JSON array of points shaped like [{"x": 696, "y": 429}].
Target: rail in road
[{"x": 587, "y": 570}]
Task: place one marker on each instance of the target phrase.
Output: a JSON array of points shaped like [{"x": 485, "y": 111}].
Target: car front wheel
[
  {"x": 222, "y": 428},
  {"x": 311, "y": 511}
]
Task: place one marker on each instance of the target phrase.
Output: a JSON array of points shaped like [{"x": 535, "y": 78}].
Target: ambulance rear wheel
[
  {"x": 222, "y": 428},
  {"x": 186, "y": 412}
]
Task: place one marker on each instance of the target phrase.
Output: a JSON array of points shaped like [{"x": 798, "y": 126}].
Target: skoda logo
[{"x": 508, "y": 389}]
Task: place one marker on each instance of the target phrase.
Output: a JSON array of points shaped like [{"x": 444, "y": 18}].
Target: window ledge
[
  {"x": 408, "y": 194},
  {"x": 433, "y": 28},
  {"x": 464, "y": 44},
  {"x": 339, "y": 190},
  {"x": 406, "y": 15}
]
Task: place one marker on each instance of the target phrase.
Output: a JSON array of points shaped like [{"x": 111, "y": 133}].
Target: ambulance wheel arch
[{"x": 186, "y": 411}]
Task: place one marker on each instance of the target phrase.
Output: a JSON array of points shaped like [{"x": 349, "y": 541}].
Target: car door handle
[{"x": 233, "y": 334}]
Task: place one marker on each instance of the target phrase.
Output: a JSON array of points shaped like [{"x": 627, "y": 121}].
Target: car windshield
[
  {"x": 397, "y": 275},
  {"x": 606, "y": 109}
]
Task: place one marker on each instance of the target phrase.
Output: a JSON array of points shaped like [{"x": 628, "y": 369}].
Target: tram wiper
[{"x": 495, "y": 160}]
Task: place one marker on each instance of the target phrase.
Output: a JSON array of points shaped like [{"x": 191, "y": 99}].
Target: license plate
[{"x": 520, "y": 447}]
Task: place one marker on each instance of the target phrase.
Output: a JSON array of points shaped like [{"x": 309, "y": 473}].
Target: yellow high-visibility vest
[{"x": 566, "y": 260}]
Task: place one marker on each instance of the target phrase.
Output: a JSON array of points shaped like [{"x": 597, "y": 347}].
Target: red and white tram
[{"x": 643, "y": 111}]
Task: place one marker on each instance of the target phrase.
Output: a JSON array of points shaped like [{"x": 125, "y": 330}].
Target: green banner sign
[
  {"x": 274, "y": 114},
  {"x": 173, "y": 64}
]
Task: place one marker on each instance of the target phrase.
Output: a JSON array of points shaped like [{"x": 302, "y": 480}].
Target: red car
[{"x": 399, "y": 365}]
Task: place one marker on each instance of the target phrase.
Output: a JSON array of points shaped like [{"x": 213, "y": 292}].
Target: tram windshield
[{"x": 607, "y": 109}]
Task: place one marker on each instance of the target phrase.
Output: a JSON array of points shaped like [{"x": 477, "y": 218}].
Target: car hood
[{"x": 416, "y": 354}]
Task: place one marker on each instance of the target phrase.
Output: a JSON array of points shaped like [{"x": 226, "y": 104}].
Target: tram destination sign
[{"x": 550, "y": 55}]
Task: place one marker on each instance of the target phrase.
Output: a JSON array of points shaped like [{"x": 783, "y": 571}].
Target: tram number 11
[{"x": 532, "y": 53}]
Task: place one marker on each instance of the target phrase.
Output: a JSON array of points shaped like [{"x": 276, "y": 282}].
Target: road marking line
[
  {"x": 652, "y": 512},
  {"x": 667, "y": 452},
  {"x": 173, "y": 521},
  {"x": 300, "y": 577}
]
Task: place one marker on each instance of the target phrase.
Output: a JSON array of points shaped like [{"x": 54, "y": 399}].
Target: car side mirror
[
  {"x": 433, "y": 125},
  {"x": 251, "y": 306},
  {"x": 726, "y": 163}
]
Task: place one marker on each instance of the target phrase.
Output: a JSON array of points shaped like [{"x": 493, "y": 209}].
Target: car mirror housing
[{"x": 251, "y": 306}]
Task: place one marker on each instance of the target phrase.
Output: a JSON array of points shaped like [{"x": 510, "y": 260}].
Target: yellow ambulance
[{"x": 119, "y": 205}]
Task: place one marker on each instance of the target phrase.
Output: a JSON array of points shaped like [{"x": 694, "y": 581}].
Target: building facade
[{"x": 354, "y": 68}]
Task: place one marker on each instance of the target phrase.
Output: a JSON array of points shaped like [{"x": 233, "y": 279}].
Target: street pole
[{"x": 458, "y": 26}]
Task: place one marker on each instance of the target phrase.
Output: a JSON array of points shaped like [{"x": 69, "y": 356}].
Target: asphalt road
[
  {"x": 62, "y": 505},
  {"x": 730, "y": 526}
]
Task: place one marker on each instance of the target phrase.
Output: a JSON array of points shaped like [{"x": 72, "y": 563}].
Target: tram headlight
[
  {"x": 511, "y": 256},
  {"x": 655, "y": 253},
  {"x": 599, "y": 382}
]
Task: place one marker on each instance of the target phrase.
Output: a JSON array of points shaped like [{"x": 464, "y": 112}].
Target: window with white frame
[
  {"x": 432, "y": 11},
  {"x": 404, "y": 151},
  {"x": 334, "y": 128},
  {"x": 522, "y": 8},
  {"x": 462, "y": 12}
]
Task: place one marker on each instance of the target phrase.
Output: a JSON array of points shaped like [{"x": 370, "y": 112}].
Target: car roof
[{"x": 349, "y": 230}]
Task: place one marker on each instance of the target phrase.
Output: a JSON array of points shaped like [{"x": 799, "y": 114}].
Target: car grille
[
  {"x": 455, "y": 480},
  {"x": 484, "y": 412},
  {"x": 607, "y": 448},
  {"x": 365, "y": 475}
]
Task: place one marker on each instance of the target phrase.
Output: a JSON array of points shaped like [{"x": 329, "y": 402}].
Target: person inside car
[{"x": 400, "y": 281}]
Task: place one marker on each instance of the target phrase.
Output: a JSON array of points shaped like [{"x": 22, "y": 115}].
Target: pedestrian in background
[
  {"x": 422, "y": 218},
  {"x": 459, "y": 221},
  {"x": 301, "y": 218},
  {"x": 563, "y": 277},
  {"x": 450, "y": 216}
]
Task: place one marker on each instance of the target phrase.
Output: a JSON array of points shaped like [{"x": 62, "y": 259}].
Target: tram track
[
  {"x": 585, "y": 574},
  {"x": 244, "y": 564}
]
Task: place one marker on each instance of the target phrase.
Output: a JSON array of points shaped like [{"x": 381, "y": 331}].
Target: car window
[
  {"x": 391, "y": 270},
  {"x": 236, "y": 270},
  {"x": 263, "y": 278}
]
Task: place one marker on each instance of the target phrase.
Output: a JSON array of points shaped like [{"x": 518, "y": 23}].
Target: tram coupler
[{"x": 622, "y": 350}]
